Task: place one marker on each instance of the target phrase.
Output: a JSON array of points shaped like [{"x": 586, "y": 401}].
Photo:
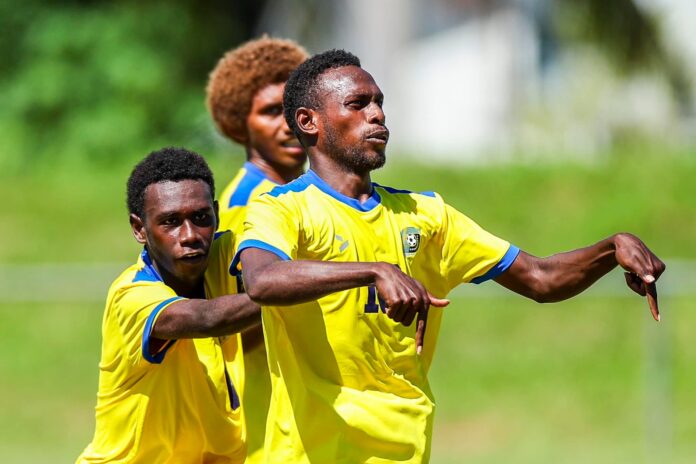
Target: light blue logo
[
  {"x": 344, "y": 243},
  {"x": 410, "y": 239}
]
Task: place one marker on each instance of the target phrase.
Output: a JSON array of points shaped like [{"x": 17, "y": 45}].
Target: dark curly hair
[
  {"x": 301, "y": 89},
  {"x": 241, "y": 73},
  {"x": 169, "y": 163}
]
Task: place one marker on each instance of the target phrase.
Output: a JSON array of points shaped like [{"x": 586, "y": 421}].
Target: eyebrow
[
  {"x": 364, "y": 95},
  {"x": 171, "y": 213}
]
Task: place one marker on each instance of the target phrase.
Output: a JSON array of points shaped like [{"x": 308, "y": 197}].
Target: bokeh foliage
[{"x": 100, "y": 81}]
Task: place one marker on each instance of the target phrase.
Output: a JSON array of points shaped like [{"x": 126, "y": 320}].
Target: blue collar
[
  {"x": 311, "y": 178},
  {"x": 254, "y": 170},
  {"x": 148, "y": 272}
]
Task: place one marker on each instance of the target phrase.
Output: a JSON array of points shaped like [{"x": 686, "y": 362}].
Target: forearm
[
  {"x": 560, "y": 276},
  {"x": 293, "y": 282},
  {"x": 565, "y": 275},
  {"x": 199, "y": 318}
]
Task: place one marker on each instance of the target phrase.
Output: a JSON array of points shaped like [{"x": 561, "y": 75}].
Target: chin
[
  {"x": 374, "y": 161},
  {"x": 194, "y": 271}
]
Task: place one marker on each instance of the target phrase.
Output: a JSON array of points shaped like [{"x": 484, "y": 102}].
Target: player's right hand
[{"x": 405, "y": 298}]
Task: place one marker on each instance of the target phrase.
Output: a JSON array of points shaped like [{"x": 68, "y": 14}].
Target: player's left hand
[{"x": 642, "y": 267}]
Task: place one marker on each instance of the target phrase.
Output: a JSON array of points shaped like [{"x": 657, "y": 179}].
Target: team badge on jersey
[{"x": 410, "y": 238}]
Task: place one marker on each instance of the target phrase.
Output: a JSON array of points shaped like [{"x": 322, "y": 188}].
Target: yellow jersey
[
  {"x": 180, "y": 405},
  {"x": 249, "y": 183},
  {"x": 348, "y": 386}
]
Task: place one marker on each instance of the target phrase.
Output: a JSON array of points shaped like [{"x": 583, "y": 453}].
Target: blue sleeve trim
[
  {"x": 502, "y": 265},
  {"x": 255, "y": 244},
  {"x": 159, "y": 357}
]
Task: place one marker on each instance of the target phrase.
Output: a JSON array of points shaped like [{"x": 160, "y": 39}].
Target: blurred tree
[
  {"x": 98, "y": 81},
  {"x": 629, "y": 36}
]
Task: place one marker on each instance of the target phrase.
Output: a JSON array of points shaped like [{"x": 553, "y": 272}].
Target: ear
[
  {"x": 138, "y": 228},
  {"x": 306, "y": 120},
  {"x": 216, "y": 208}
]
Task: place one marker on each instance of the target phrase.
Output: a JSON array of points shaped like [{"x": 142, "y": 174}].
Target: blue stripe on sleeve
[
  {"x": 502, "y": 265},
  {"x": 255, "y": 244},
  {"x": 159, "y": 357}
]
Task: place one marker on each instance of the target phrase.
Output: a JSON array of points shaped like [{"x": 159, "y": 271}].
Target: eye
[
  {"x": 273, "y": 110},
  {"x": 170, "y": 221},
  {"x": 203, "y": 219}
]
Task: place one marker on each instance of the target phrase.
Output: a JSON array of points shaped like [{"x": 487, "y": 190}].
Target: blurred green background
[{"x": 89, "y": 88}]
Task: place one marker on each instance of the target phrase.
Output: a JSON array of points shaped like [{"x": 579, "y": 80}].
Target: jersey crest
[{"x": 410, "y": 239}]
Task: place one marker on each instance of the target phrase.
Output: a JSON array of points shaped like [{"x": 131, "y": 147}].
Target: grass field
[
  {"x": 514, "y": 382},
  {"x": 590, "y": 380}
]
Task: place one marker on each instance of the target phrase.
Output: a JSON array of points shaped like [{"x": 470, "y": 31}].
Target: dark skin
[
  {"x": 350, "y": 109},
  {"x": 272, "y": 147},
  {"x": 177, "y": 227},
  {"x": 269, "y": 142}
]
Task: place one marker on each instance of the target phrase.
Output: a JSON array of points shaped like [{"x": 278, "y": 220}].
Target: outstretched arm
[
  {"x": 268, "y": 280},
  {"x": 565, "y": 275},
  {"x": 198, "y": 318}
]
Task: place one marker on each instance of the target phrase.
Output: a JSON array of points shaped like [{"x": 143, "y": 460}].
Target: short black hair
[
  {"x": 300, "y": 89},
  {"x": 168, "y": 163}
]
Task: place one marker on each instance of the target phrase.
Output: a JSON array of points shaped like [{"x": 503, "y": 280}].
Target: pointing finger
[
  {"x": 421, "y": 324},
  {"x": 651, "y": 293}
]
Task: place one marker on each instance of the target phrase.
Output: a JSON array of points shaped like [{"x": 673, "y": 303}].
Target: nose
[
  {"x": 188, "y": 235},
  {"x": 376, "y": 114}
]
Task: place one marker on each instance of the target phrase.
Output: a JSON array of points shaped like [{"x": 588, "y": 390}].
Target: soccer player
[
  {"x": 168, "y": 381},
  {"x": 245, "y": 99},
  {"x": 342, "y": 266}
]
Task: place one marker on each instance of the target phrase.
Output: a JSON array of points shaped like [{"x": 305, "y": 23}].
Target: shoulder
[
  {"x": 136, "y": 287},
  {"x": 222, "y": 247},
  {"x": 417, "y": 201},
  {"x": 247, "y": 184},
  {"x": 397, "y": 192},
  {"x": 298, "y": 185}
]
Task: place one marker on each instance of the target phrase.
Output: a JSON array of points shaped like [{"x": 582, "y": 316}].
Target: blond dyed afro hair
[{"x": 242, "y": 72}]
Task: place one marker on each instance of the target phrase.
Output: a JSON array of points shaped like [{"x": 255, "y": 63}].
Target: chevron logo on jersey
[{"x": 410, "y": 238}]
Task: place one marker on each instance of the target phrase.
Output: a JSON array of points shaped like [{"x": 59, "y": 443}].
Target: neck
[
  {"x": 352, "y": 184},
  {"x": 275, "y": 173},
  {"x": 187, "y": 288}
]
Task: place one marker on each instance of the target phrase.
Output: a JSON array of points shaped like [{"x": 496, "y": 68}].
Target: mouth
[
  {"x": 381, "y": 136},
  {"x": 291, "y": 143},
  {"x": 292, "y": 147},
  {"x": 193, "y": 258}
]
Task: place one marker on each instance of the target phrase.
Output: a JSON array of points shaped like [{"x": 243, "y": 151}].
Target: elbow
[
  {"x": 257, "y": 290},
  {"x": 541, "y": 297},
  {"x": 255, "y": 293}
]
